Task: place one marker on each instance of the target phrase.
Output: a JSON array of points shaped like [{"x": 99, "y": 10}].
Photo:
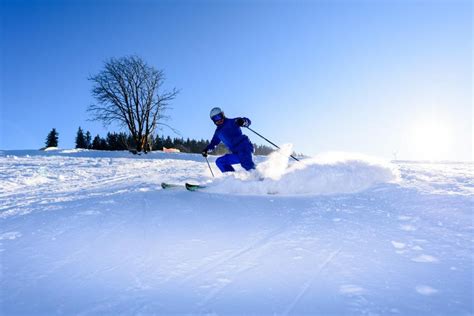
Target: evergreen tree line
[{"x": 123, "y": 141}]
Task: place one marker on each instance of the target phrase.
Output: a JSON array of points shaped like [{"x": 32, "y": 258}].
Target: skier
[{"x": 229, "y": 132}]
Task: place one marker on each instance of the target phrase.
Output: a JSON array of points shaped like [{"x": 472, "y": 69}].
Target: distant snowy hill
[{"x": 92, "y": 233}]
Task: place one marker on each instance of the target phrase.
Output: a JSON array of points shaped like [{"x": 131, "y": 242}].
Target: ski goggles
[{"x": 217, "y": 117}]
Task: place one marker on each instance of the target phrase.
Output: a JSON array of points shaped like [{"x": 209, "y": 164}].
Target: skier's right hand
[
  {"x": 242, "y": 121},
  {"x": 204, "y": 153}
]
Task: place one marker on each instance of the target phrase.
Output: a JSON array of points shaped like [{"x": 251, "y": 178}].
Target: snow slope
[{"x": 93, "y": 233}]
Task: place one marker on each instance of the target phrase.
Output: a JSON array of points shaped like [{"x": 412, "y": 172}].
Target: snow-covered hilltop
[{"x": 87, "y": 232}]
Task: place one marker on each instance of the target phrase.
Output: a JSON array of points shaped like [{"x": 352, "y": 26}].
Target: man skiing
[{"x": 229, "y": 132}]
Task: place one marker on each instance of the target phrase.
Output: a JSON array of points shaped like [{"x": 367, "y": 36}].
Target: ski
[
  {"x": 188, "y": 186},
  {"x": 194, "y": 187},
  {"x": 165, "y": 185}
]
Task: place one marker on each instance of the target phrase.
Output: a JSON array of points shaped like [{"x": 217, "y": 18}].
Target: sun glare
[{"x": 430, "y": 139}]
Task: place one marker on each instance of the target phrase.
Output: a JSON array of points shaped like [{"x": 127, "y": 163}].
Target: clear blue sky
[{"x": 375, "y": 77}]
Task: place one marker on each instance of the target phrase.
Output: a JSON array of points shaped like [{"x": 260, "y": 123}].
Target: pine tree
[
  {"x": 168, "y": 142},
  {"x": 99, "y": 143},
  {"x": 52, "y": 138},
  {"x": 118, "y": 141},
  {"x": 80, "y": 139},
  {"x": 129, "y": 141},
  {"x": 88, "y": 140},
  {"x": 112, "y": 141},
  {"x": 96, "y": 143},
  {"x": 123, "y": 141},
  {"x": 262, "y": 150},
  {"x": 158, "y": 144}
]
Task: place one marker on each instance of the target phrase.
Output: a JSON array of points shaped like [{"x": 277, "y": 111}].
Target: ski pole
[
  {"x": 271, "y": 143},
  {"x": 209, "y": 165}
]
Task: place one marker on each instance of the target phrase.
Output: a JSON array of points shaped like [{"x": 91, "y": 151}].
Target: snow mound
[
  {"x": 73, "y": 151},
  {"x": 325, "y": 174},
  {"x": 50, "y": 149}
]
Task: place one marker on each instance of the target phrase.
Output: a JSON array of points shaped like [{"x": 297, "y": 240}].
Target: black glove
[
  {"x": 242, "y": 122},
  {"x": 204, "y": 153}
]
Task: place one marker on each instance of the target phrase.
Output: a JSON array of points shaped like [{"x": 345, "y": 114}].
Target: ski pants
[{"x": 244, "y": 157}]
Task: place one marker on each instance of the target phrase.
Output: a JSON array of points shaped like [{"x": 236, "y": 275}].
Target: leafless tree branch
[{"x": 128, "y": 92}]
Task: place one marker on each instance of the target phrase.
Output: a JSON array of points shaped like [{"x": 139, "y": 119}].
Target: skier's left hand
[{"x": 242, "y": 122}]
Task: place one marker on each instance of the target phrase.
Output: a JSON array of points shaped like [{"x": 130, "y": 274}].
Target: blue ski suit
[{"x": 239, "y": 145}]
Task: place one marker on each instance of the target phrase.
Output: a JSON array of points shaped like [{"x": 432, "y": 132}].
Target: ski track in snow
[
  {"x": 237, "y": 268},
  {"x": 206, "y": 268},
  {"x": 96, "y": 231},
  {"x": 308, "y": 284}
]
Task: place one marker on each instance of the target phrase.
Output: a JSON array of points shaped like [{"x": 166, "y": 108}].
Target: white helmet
[{"x": 215, "y": 111}]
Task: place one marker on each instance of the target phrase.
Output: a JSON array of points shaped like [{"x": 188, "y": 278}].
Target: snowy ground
[{"x": 93, "y": 233}]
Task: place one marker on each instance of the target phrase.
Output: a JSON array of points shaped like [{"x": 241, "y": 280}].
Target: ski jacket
[{"x": 231, "y": 135}]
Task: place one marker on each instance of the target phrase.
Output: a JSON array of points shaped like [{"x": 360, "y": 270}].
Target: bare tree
[{"x": 127, "y": 91}]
